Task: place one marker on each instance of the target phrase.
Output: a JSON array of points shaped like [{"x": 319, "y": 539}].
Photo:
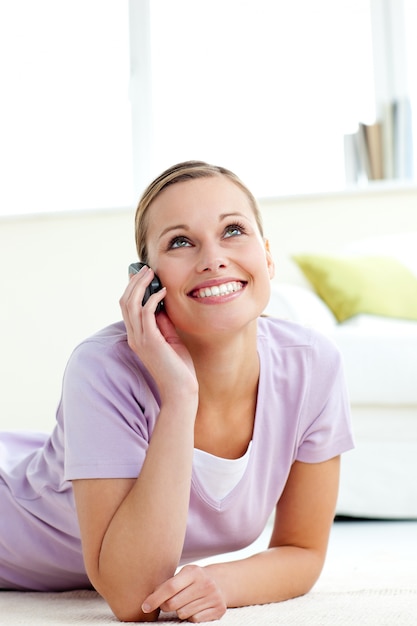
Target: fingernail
[{"x": 146, "y": 608}]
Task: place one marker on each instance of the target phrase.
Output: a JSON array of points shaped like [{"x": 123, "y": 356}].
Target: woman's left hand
[{"x": 192, "y": 593}]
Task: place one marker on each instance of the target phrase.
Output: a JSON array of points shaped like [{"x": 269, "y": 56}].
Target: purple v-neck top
[{"x": 105, "y": 420}]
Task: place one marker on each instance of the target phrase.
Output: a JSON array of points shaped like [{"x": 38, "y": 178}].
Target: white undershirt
[{"x": 218, "y": 475}]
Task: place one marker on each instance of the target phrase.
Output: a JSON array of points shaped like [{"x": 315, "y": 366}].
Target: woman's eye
[
  {"x": 233, "y": 230},
  {"x": 179, "y": 242}
]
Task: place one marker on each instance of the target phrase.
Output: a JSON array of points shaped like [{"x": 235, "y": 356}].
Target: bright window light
[
  {"x": 410, "y": 7},
  {"x": 266, "y": 88},
  {"x": 65, "y": 117}
]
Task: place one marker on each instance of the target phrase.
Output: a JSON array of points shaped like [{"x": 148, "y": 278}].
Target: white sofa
[{"x": 380, "y": 355}]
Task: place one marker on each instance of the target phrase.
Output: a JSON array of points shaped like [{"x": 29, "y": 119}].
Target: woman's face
[{"x": 205, "y": 245}]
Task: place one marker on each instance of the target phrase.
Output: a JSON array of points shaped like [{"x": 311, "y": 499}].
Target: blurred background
[
  {"x": 311, "y": 103},
  {"x": 98, "y": 96}
]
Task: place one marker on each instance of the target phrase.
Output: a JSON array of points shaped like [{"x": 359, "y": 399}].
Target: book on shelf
[
  {"x": 383, "y": 150},
  {"x": 363, "y": 154},
  {"x": 373, "y": 140}
]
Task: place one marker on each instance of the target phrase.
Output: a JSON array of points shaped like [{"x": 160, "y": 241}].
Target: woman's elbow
[
  {"x": 124, "y": 606},
  {"x": 132, "y": 614}
]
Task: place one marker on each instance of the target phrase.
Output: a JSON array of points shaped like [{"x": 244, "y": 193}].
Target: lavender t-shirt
[{"x": 105, "y": 420}]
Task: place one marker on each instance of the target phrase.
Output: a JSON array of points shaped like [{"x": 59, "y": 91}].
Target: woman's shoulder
[
  {"x": 104, "y": 339},
  {"x": 276, "y": 333},
  {"x": 284, "y": 331},
  {"x": 107, "y": 349},
  {"x": 109, "y": 335},
  {"x": 104, "y": 364}
]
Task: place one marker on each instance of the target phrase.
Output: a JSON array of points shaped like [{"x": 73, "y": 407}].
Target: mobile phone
[{"x": 153, "y": 287}]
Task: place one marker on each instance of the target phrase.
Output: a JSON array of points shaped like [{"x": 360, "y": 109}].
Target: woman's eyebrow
[
  {"x": 222, "y": 217},
  {"x": 233, "y": 214},
  {"x": 176, "y": 227}
]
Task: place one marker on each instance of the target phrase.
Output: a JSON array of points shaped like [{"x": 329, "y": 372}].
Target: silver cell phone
[{"x": 153, "y": 287}]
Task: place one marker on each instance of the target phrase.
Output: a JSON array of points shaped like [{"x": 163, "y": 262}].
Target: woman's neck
[
  {"x": 228, "y": 375},
  {"x": 225, "y": 364}
]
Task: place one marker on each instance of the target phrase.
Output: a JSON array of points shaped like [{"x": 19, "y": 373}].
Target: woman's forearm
[
  {"x": 142, "y": 545},
  {"x": 274, "y": 575}
]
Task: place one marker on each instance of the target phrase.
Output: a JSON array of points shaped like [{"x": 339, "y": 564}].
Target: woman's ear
[{"x": 269, "y": 260}]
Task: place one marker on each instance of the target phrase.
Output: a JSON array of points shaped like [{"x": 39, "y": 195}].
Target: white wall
[
  {"x": 328, "y": 222},
  {"x": 61, "y": 277}
]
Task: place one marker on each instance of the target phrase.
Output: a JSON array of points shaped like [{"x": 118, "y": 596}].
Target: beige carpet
[
  {"x": 370, "y": 578},
  {"x": 385, "y": 607}
]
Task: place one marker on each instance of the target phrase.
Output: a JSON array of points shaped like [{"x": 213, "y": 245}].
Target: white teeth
[{"x": 219, "y": 290}]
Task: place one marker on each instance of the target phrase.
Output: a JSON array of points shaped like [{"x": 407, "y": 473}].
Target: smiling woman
[
  {"x": 224, "y": 249},
  {"x": 117, "y": 496},
  {"x": 183, "y": 172}
]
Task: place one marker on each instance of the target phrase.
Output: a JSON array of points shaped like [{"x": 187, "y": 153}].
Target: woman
[{"x": 178, "y": 433}]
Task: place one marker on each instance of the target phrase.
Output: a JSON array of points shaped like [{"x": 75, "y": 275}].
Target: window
[
  {"x": 411, "y": 64},
  {"x": 267, "y": 88},
  {"x": 98, "y": 96},
  {"x": 65, "y": 117}
]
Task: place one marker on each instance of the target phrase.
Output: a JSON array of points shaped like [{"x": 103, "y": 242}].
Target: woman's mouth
[{"x": 218, "y": 290}]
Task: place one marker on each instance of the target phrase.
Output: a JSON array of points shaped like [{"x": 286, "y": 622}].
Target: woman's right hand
[
  {"x": 154, "y": 338},
  {"x": 133, "y": 529}
]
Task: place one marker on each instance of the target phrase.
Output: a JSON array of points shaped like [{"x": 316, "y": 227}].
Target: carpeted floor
[
  {"x": 370, "y": 578},
  {"x": 384, "y": 607}
]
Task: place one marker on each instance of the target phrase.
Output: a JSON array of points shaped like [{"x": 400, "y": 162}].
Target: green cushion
[{"x": 375, "y": 285}]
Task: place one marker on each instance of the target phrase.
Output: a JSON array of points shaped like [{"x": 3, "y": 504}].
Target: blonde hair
[{"x": 188, "y": 170}]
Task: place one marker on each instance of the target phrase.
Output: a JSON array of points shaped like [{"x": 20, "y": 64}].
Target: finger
[
  {"x": 208, "y": 615},
  {"x": 165, "y": 592},
  {"x": 155, "y": 298},
  {"x": 195, "y": 606},
  {"x": 131, "y": 300},
  {"x": 137, "y": 293},
  {"x": 137, "y": 279},
  {"x": 192, "y": 596},
  {"x": 156, "y": 599}
]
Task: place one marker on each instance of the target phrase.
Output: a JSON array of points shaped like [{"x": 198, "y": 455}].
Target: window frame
[{"x": 390, "y": 77}]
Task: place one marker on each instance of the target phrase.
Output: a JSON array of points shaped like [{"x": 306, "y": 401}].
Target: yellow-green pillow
[{"x": 375, "y": 285}]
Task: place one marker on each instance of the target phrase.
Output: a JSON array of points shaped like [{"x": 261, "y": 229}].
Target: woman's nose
[
  {"x": 211, "y": 260},
  {"x": 214, "y": 265}
]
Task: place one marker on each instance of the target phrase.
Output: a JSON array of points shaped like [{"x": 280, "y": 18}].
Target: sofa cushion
[
  {"x": 401, "y": 246},
  {"x": 380, "y": 357},
  {"x": 301, "y": 305},
  {"x": 351, "y": 285},
  {"x": 379, "y": 353}
]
